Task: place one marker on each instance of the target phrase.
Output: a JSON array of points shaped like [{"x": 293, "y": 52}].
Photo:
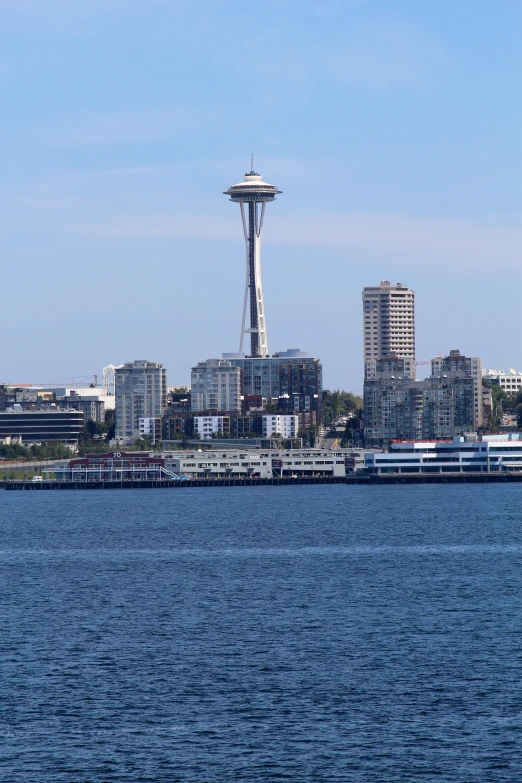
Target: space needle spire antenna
[{"x": 256, "y": 194}]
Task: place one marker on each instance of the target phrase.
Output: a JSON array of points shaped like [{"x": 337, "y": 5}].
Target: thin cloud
[
  {"x": 412, "y": 239},
  {"x": 103, "y": 205},
  {"x": 373, "y": 55},
  {"x": 385, "y": 56},
  {"x": 125, "y": 126},
  {"x": 100, "y": 184},
  {"x": 415, "y": 239},
  {"x": 334, "y": 7},
  {"x": 44, "y": 16}
]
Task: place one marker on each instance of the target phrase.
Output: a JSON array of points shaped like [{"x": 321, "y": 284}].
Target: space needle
[{"x": 256, "y": 193}]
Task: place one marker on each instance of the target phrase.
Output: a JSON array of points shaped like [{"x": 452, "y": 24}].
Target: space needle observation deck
[{"x": 256, "y": 193}]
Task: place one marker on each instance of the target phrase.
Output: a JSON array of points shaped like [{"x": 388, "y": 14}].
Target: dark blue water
[{"x": 267, "y": 634}]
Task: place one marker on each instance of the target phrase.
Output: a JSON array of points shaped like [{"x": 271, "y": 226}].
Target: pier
[{"x": 362, "y": 479}]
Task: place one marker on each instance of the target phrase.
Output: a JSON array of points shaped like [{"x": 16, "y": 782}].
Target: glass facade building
[
  {"x": 38, "y": 426},
  {"x": 290, "y": 376}
]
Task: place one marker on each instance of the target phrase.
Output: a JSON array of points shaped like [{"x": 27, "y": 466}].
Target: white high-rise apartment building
[
  {"x": 389, "y": 324},
  {"x": 215, "y": 386},
  {"x": 141, "y": 392}
]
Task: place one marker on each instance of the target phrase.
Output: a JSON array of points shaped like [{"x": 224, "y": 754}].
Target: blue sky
[{"x": 393, "y": 128}]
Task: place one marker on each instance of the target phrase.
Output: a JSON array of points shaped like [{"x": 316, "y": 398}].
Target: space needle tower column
[{"x": 256, "y": 193}]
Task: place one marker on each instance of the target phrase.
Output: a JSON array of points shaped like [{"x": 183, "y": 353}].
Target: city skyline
[{"x": 393, "y": 137}]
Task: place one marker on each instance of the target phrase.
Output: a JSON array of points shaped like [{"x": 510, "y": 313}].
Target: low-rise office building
[
  {"x": 218, "y": 463},
  {"x": 260, "y": 464},
  {"x": 510, "y": 382},
  {"x": 492, "y": 454},
  {"x": 38, "y": 426}
]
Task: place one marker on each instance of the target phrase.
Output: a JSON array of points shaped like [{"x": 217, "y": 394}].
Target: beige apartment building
[{"x": 389, "y": 325}]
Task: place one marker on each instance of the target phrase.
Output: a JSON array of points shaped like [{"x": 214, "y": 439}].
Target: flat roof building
[
  {"x": 81, "y": 392},
  {"x": 510, "y": 382},
  {"x": 93, "y": 408},
  {"x": 457, "y": 365},
  {"x": 492, "y": 454},
  {"x": 209, "y": 426},
  {"x": 388, "y": 324},
  {"x": 141, "y": 392},
  {"x": 116, "y": 466},
  {"x": 293, "y": 376},
  {"x": 398, "y": 408},
  {"x": 260, "y": 463},
  {"x": 38, "y": 426},
  {"x": 286, "y": 425},
  {"x": 215, "y": 386}
]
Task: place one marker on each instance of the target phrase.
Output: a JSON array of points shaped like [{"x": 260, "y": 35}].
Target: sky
[{"x": 393, "y": 128}]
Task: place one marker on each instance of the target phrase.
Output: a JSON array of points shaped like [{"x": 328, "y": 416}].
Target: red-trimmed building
[{"x": 117, "y": 466}]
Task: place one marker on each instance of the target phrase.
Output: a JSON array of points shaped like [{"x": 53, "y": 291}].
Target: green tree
[
  {"x": 339, "y": 403},
  {"x": 13, "y": 451},
  {"x": 95, "y": 435},
  {"x": 220, "y": 435},
  {"x": 110, "y": 423},
  {"x": 51, "y": 449},
  {"x": 501, "y": 403},
  {"x": 291, "y": 443},
  {"x": 141, "y": 444}
]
